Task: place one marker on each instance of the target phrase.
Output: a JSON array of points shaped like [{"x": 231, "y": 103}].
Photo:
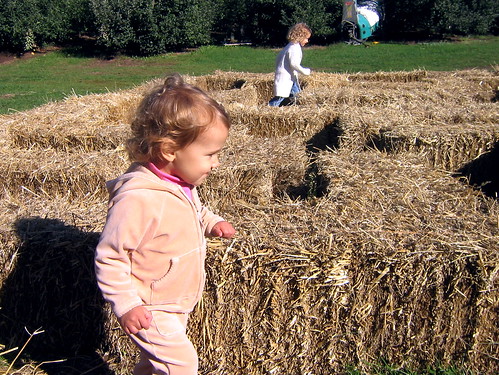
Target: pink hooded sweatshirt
[{"x": 152, "y": 248}]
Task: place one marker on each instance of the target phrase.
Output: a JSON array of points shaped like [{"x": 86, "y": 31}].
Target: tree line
[{"x": 149, "y": 27}]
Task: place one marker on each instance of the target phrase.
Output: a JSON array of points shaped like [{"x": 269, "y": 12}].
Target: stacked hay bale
[
  {"x": 262, "y": 83},
  {"x": 354, "y": 245},
  {"x": 379, "y": 267}
]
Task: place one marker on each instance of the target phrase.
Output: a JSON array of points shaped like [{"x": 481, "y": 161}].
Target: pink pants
[{"x": 165, "y": 348}]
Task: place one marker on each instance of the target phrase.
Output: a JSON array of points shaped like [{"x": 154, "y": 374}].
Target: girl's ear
[
  {"x": 167, "y": 150},
  {"x": 168, "y": 156}
]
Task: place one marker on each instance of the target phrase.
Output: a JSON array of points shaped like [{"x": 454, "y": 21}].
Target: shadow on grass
[
  {"x": 52, "y": 290},
  {"x": 88, "y": 48}
]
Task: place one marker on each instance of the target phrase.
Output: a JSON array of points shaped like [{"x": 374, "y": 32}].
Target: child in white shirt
[{"x": 288, "y": 66}]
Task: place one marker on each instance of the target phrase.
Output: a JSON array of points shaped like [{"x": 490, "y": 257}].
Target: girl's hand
[
  {"x": 136, "y": 319},
  {"x": 223, "y": 229}
]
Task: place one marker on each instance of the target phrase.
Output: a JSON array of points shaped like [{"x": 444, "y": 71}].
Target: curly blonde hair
[
  {"x": 170, "y": 117},
  {"x": 299, "y": 32}
]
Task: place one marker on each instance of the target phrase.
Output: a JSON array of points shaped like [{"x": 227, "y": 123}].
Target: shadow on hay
[
  {"x": 53, "y": 289},
  {"x": 483, "y": 173},
  {"x": 314, "y": 183}
]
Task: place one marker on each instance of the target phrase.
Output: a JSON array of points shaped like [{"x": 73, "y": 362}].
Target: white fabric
[
  {"x": 288, "y": 65},
  {"x": 371, "y": 16}
]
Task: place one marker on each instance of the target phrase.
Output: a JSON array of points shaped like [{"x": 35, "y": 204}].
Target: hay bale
[
  {"x": 244, "y": 96},
  {"x": 59, "y": 174},
  {"x": 427, "y": 264},
  {"x": 220, "y": 81},
  {"x": 416, "y": 88},
  {"x": 255, "y": 170},
  {"x": 448, "y": 138},
  {"x": 273, "y": 122},
  {"x": 391, "y": 261},
  {"x": 402, "y": 77},
  {"x": 77, "y": 124},
  {"x": 323, "y": 80},
  {"x": 390, "y": 258},
  {"x": 269, "y": 292}
]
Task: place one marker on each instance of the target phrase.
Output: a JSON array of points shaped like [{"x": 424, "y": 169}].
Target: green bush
[
  {"x": 436, "y": 18},
  {"x": 144, "y": 27},
  {"x": 17, "y": 25},
  {"x": 464, "y": 17},
  {"x": 323, "y": 17},
  {"x": 28, "y": 24},
  {"x": 267, "y": 21}
]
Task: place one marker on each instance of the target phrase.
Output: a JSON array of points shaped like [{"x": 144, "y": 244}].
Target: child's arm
[
  {"x": 112, "y": 257},
  {"x": 295, "y": 56},
  {"x": 214, "y": 225}
]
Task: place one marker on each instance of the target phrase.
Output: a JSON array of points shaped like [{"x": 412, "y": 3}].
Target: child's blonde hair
[
  {"x": 170, "y": 117},
  {"x": 299, "y": 32}
]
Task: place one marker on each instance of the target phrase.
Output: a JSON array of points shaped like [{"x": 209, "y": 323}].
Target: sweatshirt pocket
[
  {"x": 180, "y": 285},
  {"x": 168, "y": 275}
]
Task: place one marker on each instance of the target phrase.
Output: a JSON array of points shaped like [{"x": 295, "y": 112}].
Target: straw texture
[{"x": 358, "y": 239}]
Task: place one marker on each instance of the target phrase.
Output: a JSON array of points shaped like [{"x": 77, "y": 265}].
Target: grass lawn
[{"x": 43, "y": 77}]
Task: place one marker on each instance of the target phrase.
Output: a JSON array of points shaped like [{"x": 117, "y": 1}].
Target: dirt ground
[{"x": 6, "y": 58}]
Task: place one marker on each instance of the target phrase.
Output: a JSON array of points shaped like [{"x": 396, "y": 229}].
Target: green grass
[
  {"x": 27, "y": 83},
  {"x": 443, "y": 56}
]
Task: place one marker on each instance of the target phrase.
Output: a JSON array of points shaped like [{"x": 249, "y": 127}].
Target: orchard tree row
[{"x": 149, "y": 27}]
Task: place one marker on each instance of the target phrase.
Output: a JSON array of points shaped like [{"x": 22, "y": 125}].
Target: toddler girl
[
  {"x": 151, "y": 253},
  {"x": 288, "y": 65}
]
